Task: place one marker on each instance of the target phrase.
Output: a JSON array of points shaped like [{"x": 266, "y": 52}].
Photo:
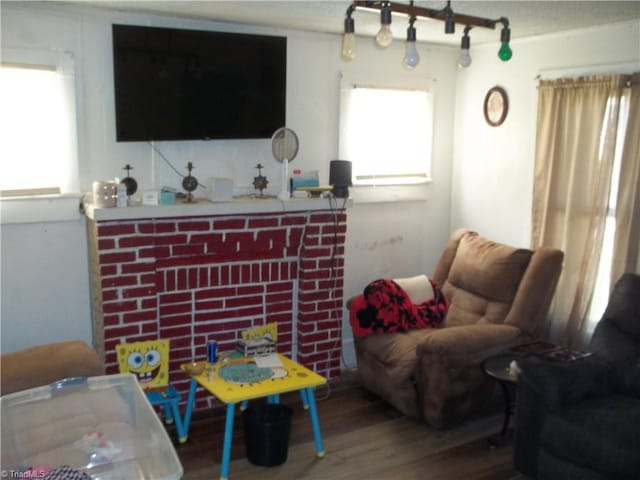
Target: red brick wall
[{"x": 194, "y": 279}]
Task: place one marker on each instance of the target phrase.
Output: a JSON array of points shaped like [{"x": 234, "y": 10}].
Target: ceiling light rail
[{"x": 446, "y": 15}]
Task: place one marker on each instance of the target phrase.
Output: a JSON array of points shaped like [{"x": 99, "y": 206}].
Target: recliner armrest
[
  {"x": 556, "y": 384},
  {"x": 479, "y": 340}
]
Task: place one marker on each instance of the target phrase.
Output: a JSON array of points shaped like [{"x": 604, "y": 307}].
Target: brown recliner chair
[{"x": 499, "y": 297}]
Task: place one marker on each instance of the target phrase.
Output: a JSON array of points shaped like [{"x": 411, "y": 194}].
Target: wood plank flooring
[{"x": 364, "y": 438}]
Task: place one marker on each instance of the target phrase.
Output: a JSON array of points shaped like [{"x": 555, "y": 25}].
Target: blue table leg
[
  {"x": 303, "y": 398},
  {"x": 182, "y": 434},
  {"x": 273, "y": 399},
  {"x": 243, "y": 405},
  {"x": 189, "y": 408},
  {"x": 314, "y": 422},
  {"x": 226, "y": 447},
  {"x": 168, "y": 415}
]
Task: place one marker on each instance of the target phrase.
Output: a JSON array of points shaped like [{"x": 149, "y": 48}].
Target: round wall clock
[{"x": 496, "y": 106}]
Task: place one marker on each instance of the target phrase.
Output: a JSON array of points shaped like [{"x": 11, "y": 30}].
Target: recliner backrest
[{"x": 482, "y": 280}]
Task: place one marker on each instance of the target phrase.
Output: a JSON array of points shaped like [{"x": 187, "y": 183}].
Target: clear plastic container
[{"x": 103, "y": 426}]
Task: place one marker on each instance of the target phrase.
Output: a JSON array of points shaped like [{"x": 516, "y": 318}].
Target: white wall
[
  {"x": 492, "y": 181},
  {"x": 482, "y": 176},
  {"x": 383, "y": 239}
]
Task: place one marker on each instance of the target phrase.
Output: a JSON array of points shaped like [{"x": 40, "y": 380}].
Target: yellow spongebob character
[{"x": 148, "y": 361}]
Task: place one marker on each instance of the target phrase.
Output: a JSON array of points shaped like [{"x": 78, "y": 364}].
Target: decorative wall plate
[{"x": 496, "y": 106}]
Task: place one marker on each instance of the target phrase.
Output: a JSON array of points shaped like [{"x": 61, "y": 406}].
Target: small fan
[{"x": 284, "y": 145}]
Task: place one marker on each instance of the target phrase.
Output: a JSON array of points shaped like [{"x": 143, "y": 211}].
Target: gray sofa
[{"x": 581, "y": 419}]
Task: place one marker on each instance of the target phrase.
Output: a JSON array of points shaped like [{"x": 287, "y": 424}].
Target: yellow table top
[{"x": 296, "y": 378}]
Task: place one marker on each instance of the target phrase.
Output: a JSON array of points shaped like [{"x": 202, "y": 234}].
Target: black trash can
[{"x": 266, "y": 433}]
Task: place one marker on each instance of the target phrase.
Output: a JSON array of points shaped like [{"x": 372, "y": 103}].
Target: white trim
[{"x": 45, "y": 208}]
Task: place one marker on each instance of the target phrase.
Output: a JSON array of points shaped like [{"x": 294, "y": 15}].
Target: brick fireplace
[{"x": 198, "y": 277}]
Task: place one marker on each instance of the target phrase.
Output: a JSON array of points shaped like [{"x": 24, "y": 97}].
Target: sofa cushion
[
  {"x": 600, "y": 433},
  {"x": 483, "y": 280}
]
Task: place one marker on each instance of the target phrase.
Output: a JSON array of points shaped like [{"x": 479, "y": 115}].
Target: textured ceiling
[{"x": 527, "y": 18}]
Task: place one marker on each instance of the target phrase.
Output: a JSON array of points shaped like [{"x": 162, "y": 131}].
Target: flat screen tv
[{"x": 176, "y": 84}]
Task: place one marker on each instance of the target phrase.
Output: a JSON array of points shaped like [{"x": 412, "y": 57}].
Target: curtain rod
[{"x": 583, "y": 70}]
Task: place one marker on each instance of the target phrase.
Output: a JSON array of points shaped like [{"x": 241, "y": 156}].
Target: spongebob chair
[{"x": 149, "y": 362}]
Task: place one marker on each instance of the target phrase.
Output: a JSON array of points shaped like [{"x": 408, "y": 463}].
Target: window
[
  {"x": 37, "y": 121},
  {"x": 386, "y": 132}
]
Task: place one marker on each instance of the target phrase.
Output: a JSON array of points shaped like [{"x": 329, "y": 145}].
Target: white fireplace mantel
[{"x": 206, "y": 207}]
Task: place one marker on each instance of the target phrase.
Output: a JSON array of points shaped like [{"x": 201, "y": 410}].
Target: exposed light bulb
[
  {"x": 348, "y": 40},
  {"x": 411, "y": 57},
  {"x": 348, "y": 47},
  {"x": 505, "y": 53},
  {"x": 464, "y": 60},
  {"x": 384, "y": 35}
]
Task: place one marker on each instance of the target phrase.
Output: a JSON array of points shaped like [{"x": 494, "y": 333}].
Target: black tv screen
[{"x": 176, "y": 84}]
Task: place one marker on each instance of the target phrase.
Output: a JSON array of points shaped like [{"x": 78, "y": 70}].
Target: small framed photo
[{"x": 496, "y": 106}]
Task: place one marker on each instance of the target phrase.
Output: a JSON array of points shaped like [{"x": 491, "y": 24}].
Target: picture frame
[{"x": 496, "y": 106}]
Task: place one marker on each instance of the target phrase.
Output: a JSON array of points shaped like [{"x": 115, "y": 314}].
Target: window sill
[
  {"x": 41, "y": 208},
  {"x": 390, "y": 193}
]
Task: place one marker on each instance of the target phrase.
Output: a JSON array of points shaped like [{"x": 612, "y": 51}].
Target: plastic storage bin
[
  {"x": 103, "y": 426},
  {"x": 266, "y": 434}
]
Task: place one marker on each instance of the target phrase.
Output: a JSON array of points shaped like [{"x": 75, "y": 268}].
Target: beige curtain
[
  {"x": 626, "y": 249},
  {"x": 575, "y": 146}
]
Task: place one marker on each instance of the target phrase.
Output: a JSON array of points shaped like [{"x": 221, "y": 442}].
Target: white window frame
[
  {"x": 404, "y": 180},
  {"x": 63, "y": 63}
]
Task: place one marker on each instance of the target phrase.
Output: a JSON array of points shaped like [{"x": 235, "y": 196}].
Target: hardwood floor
[{"x": 364, "y": 438}]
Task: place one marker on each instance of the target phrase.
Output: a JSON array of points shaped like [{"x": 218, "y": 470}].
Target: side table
[
  {"x": 498, "y": 367},
  {"x": 295, "y": 377}
]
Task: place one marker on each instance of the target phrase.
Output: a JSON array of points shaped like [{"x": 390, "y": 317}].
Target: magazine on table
[{"x": 551, "y": 350}]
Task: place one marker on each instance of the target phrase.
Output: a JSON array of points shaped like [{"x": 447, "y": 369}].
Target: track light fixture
[
  {"x": 411, "y": 57},
  {"x": 446, "y": 15},
  {"x": 384, "y": 35},
  {"x": 464, "y": 60},
  {"x": 349, "y": 37},
  {"x": 505, "y": 52},
  {"x": 449, "y": 22}
]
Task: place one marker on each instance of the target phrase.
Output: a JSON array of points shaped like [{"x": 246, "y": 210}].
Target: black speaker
[{"x": 340, "y": 177}]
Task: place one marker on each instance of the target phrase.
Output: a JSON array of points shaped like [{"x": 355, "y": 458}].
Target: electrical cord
[
  {"x": 336, "y": 210},
  {"x": 162, "y": 156}
]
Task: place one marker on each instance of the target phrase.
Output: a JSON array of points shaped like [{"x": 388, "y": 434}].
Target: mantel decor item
[
  {"x": 260, "y": 182},
  {"x": 284, "y": 146},
  {"x": 129, "y": 181},
  {"x": 496, "y": 106},
  {"x": 384, "y": 36},
  {"x": 189, "y": 183}
]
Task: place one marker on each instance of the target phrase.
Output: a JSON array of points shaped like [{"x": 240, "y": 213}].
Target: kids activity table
[{"x": 292, "y": 377}]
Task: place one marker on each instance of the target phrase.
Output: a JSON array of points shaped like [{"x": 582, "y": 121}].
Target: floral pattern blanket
[{"x": 384, "y": 307}]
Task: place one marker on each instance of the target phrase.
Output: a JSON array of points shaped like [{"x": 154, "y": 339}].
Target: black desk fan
[{"x": 284, "y": 145}]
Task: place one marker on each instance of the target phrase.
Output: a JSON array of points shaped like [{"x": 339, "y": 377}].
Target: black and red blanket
[{"x": 384, "y": 307}]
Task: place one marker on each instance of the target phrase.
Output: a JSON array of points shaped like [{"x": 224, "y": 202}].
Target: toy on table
[{"x": 149, "y": 362}]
